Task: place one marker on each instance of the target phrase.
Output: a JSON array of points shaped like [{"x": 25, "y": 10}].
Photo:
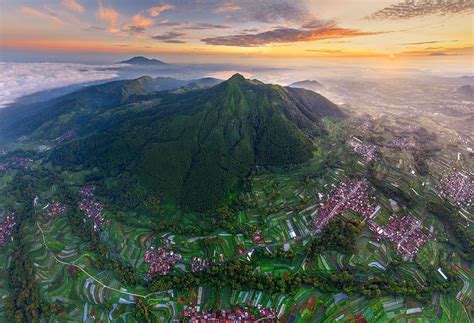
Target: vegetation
[
  {"x": 340, "y": 235},
  {"x": 198, "y": 148}
]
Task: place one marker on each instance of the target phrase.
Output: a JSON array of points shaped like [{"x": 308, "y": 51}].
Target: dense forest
[{"x": 197, "y": 148}]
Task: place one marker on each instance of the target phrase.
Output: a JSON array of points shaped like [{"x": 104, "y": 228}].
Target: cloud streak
[
  {"x": 109, "y": 16},
  {"x": 420, "y": 8},
  {"x": 73, "y": 6},
  {"x": 226, "y": 7},
  {"x": 311, "y": 31},
  {"x": 263, "y": 11},
  {"x": 137, "y": 25},
  {"x": 157, "y": 10},
  {"x": 430, "y": 42},
  {"x": 170, "y": 37},
  {"x": 40, "y": 14},
  {"x": 203, "y": 26}
]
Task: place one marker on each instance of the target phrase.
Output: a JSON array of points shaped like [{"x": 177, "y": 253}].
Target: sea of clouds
[{"x": 20, "y": 79}]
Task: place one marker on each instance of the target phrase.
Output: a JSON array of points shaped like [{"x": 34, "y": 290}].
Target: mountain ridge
[
  {"x": 197, "y": 148},
  {"x": 311, "y": 85},
  {"x": 141, "y": 60}
]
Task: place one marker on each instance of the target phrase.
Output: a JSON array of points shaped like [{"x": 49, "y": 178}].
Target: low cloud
[
  {"x": 40, "y": 14},
  {"x": 73, "y": 6},
  {"x": 156, "y": 11},
  {"x": 325, "y": 51},
  {"x": 429, "y": 42},
  {"x": 420, "y": 8},
  {"x": 170, "y": 37},
  {"x": 20, "y": 79},
  {"x": 438, "y": 54},
  {"x": 94, "y": 28},
  {"x": 202, "y": 26},
  {"x": 134, "y": 30},
  {"x": 137, "y": 25},
  {"x": 313, "y": 30}
]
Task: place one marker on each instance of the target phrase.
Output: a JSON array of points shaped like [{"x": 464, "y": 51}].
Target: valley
[{"x": 296, "y": 225}]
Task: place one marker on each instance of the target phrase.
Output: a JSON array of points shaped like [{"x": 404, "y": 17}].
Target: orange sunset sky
[{"x": 197, "y": 29}]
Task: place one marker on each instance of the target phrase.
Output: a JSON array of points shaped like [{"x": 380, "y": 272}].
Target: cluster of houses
[
  {"x": 55, "y": 209},
  {"x": 402, "y": 143},
  {"x": 367, "y": 151},
  {"x": 258, "y": 238},
  {"x": 160, "y": 260},
  {"x": 367, "y": 124},
  {"x": 349, "y": 195},
  {"x": 199, "y": 264},
  {"x": 246, "y": 314},
  {"x": 66, "y": 136},
  {"x": 460, "y": 188},
  {"x": 15, "y": 162},
  {"x": 406, "y": 233},
  {"x": 6, "y": 228},
  {"x": 410, "y": 128},
  {"x": 92, "y": 209},
  {"x": 463, "y": 140}
]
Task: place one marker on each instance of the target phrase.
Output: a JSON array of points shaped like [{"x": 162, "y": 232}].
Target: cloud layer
[
  {"x": 419, "y": 8},
  {"x": 156, "y": 11},
  {"x": 73, "y": 6},
  {"x": 170, "y": 37},
  {"x": 109, "y": 16},
  {"x": 20, "y": 79},
  {"x": 313, "y": 30}
]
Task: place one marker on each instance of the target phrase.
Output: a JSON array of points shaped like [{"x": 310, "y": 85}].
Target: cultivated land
[{"x": 86, "y": 261}]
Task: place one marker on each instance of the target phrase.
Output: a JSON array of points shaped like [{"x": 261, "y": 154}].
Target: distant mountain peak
[
  {"x": 237, "y": 77},
  {"x": 312, "y": 85},
  {"x": 466, "y": 91},
  {"x": 141, "y": 60}
]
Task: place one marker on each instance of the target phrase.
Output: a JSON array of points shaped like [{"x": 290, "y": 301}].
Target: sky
[{"x": 222, "y": 31}]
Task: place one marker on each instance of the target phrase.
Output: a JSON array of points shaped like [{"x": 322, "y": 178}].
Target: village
[
  {"x": 348, "y": 195},
  {"x": 366, "y": 151},
  {"x": 246, "y": 314},
  {"x": 460, "y": 188},
  {"x": 6, "y": 227},
  {"x": 92, "y": 209},
  {"x": 405, "y": 233},
  {"x": 160, "y": 260}
]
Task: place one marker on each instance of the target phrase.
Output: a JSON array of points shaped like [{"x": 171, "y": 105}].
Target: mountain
[
  {"x": 308, "y": 85},
  {"x": 192, "y": 148},
  {"x": 41, "y": 118},
  {"x": 467, "y": 78},
  {"x": 203, "y": 83},
  {"x": 467, "y": 91},
  {"x": 140, "y": 60}
]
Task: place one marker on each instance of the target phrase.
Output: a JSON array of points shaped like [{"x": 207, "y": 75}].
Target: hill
[
  {"x": 466, "y": 91},
  {"x": 140, "y": 60},
  {"x": 197, "y": 148},
  {"x": 46, "y": 119},
  {"x": 311, "y": 85}
]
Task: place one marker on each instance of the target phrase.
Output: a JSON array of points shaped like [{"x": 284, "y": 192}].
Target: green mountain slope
[
  {"x": 197, "y": 148},
  {"x": 77, "y": 110}
]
